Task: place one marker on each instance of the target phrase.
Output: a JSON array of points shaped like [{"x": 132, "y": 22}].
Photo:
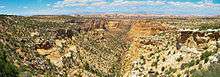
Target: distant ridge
[{"x": 123, "y": 15}]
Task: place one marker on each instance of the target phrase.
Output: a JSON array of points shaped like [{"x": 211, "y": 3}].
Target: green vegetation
[
  {"x": 213, "y": 71},
  {"x": 210, "y": 25},
  {"x": 205, "y": 56},
  {"x": 188, "y": 65},
  {"x": 170, "y": 70},
  {"x": 191, "y": 63},
  {"x": 7, "y": 69}
]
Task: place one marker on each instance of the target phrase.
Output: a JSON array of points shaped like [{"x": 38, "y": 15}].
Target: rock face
[
  {"x": 89, "y": 24},
  {"x": 112, "y": 25},
  {"x": 173, "y": 54}
]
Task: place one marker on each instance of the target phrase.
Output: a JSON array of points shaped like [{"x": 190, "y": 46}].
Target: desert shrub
[
  {"x": 188, "y": 65},
  {"x": 191, "y": 63},
  {"x": 170, "y": 70},
  {"x": 206, "y": 54}
]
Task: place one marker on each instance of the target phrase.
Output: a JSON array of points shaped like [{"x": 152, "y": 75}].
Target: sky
[{"x": 71, "y": 7}]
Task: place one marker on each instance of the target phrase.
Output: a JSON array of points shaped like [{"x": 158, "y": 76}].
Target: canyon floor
[{"x": 109, "y": 46}]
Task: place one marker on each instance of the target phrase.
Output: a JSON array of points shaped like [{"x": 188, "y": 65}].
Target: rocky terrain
[{"x": 105, "y": 46}]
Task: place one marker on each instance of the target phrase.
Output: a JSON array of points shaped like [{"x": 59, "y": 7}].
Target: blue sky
[{"x": 70, "y": 7}]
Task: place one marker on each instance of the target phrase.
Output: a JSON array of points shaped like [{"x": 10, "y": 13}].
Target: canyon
[{"x": 117, "y": 46}]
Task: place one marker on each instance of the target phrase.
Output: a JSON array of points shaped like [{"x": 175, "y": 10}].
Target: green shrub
[
  {"x": 170, "y": 70},
  {"x": 205, "y": 56},
  {"x": 191, "y": 63},
  {"x": 188, "y": 65}
]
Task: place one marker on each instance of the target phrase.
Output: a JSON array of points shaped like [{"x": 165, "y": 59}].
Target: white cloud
[
  {"x": 2, "y": 6},
  {"x": 137, "y": 3},
  {"x": 98, "y": 4},
  {"x": 198, "y": 5},
  {"x": 71, "y": 0},
  {"x": 75, "y": 0},
  {"x": 71, "y": 3},
  {"x": 25, "y": 7},
  {"x": 48, "y": 4},
  {"x": 159, "y": 6},
  {"x": 83, "y": 0}
]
